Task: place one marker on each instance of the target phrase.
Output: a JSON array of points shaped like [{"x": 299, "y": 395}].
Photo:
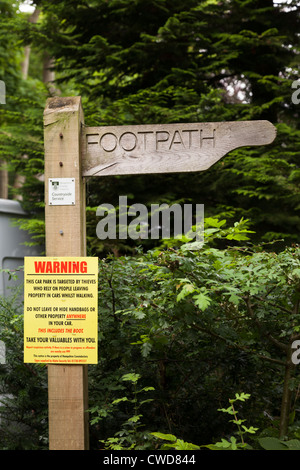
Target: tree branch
[
  {"x": 276, "y": 342},
  {"x": 263, "y": 299},
  {"x": 238, "y": 346}
]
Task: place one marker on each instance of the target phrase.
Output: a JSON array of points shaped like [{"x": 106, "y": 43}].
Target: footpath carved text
[{"x": 165, "y": 148}]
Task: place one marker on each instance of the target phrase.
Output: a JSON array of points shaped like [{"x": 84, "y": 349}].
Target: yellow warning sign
[{"x": 61, "y": 310}]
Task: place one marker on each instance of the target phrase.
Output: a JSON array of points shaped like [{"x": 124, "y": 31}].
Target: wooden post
[{"x": 65, "y": 236}]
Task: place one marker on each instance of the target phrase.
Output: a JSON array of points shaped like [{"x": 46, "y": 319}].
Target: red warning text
[{"x": 60, "y": 267}]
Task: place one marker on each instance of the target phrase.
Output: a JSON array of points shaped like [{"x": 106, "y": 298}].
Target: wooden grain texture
[
  {"x": 65, "y": 236},
  {"x": 65, "y": 225},
  {"x": 68, "y": 402},
  {"x": 167, "y": 148}
]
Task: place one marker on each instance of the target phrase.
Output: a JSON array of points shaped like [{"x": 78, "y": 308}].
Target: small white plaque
[{"x": 61, "y": 191}]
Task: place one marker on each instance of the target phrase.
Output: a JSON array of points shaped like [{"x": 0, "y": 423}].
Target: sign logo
[{"x": 61, "y": 191}]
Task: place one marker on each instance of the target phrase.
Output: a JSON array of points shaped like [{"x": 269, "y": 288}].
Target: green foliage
[
  {"x": 194, "y": 324},
  {"x": 178, "y": 330},
  {"x": 10, "y": 50},
  {"x": 23, "y": 387},
  {"x": 21, "y": 127},
  {"x": 233, "y": 444},
  {"x": 129, "y": 437},
  {"x": 174, "y": 443},
  {"x": 273, "y": 443}
]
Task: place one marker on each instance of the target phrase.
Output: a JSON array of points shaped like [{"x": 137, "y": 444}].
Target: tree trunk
[
  {"x": 20, "y": 179},
  {"x": 25, "y": 64},
  {"x": 286, "y": 397}
]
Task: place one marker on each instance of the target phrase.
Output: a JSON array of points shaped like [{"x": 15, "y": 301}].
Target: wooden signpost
[
  {"x": 73, "y": 152},
  {"x": 65, "y": 236}
]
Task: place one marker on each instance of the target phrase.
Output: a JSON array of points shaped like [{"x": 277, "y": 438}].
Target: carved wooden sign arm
[{"x": 167, "y": 148}]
